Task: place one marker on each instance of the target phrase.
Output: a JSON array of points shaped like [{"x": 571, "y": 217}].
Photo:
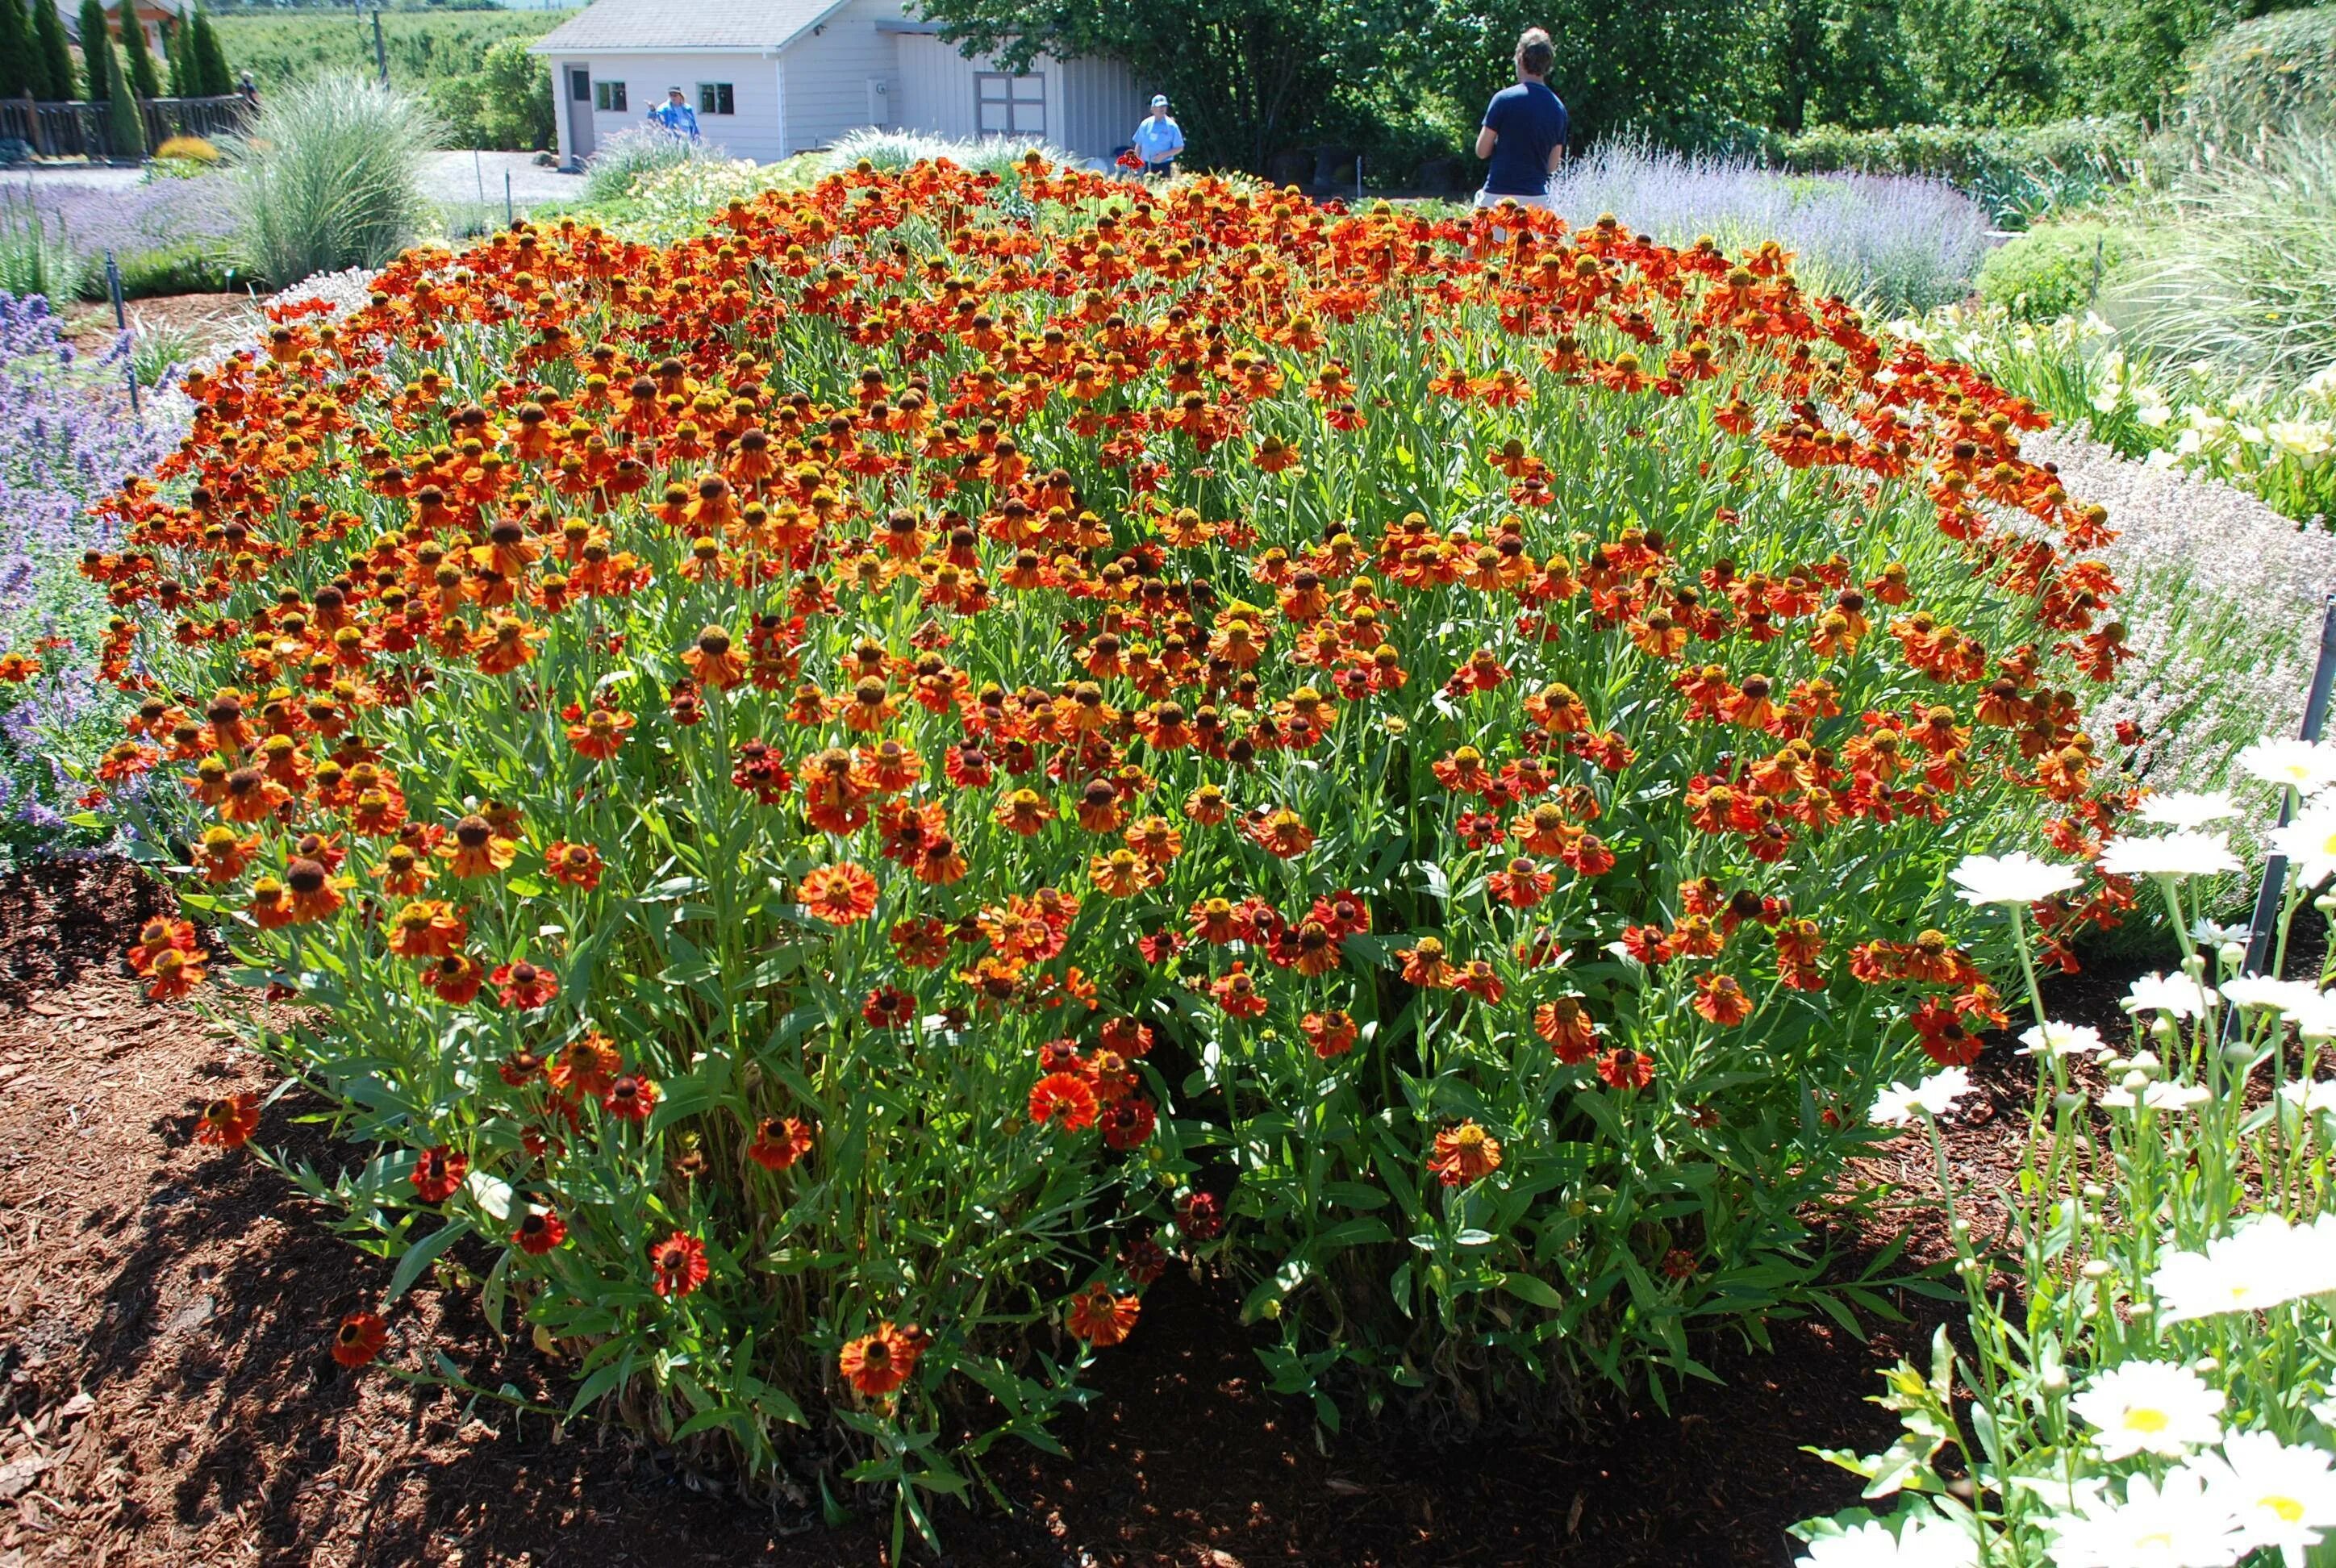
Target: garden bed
[{"x": 173, "y": 1401}]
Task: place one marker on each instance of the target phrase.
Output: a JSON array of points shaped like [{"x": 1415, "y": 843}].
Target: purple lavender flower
[{"x": 66, "y": 437}]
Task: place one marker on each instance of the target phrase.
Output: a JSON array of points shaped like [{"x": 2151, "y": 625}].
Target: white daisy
[
  {"x": 2053, "y": 1039},
  {"x": 2179, "y": 854},
  {"x": 2172, "y": 1527},
  {"x": 2150, "y": 1406},
  {"x": 2187, "y": 808},
  {"x": 2176, "y": 994},
  {"x": 1924, "y": 1543},
  {"x": 2265, "y": 1263},
  {"x": 2309, "y": 844},
  {"x": 2018, "y": 878},
  {"x": 1899, "y": 1105},
  {"x": 2282, "y": 1496},
  {"x": 2307, "y": 766}
]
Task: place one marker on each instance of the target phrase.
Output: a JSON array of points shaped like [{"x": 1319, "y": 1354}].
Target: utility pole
[{"x": 380, "y": 50}]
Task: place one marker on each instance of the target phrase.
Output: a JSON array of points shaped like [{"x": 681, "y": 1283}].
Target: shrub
[
  {"x": 505, "y": 103},
  {"x": 190, "y": 266},
  {"x": 37, "y": 256},
  {"x": 834, "y": 792},
  {"x": 2054, "y": 270},
  {"x": 1903, "y": 243},
  {"x": 188, "y": 150},
  {"x": 2242, "y": 269},
  {"x": 623, "y": 159},
  {"x": 2021, "y": 174},
  {"x": 2276, "y": 74},
  {"x": 328, "y": 176}
]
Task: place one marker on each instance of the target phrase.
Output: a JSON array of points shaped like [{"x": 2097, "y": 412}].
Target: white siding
[
  {"x": 828, "y": 72},
  {"x": 1091, "y": 105},
  {"x": 1100, "y": 104},
  {"x": 754, "y": 132}
]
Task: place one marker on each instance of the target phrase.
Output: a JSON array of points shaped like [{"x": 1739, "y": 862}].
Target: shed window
[
  {"x": 1009, "y": 105},
  {"x": 608, "y": 95},
  {"x": 716, "y": 98}
]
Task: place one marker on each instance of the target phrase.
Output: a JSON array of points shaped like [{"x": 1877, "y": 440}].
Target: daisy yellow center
[
  {"x": 2145, "y": 1419},
  {"x": 2289, "y": 1509}
]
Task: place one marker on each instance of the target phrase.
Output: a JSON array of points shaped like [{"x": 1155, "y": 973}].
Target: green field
[{"x": 422, "y": 46}]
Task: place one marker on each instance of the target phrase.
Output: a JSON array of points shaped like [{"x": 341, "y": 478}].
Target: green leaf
[
  {"x": 1534, "y": 1288},
  {"x": 422, "y": 1254}
]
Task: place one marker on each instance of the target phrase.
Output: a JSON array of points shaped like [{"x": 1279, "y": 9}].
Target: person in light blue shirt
[
  {"x": 675, "y": 116},
  {"x": 1158, "y": 139}
]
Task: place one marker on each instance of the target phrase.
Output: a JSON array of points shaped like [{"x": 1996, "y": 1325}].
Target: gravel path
[{"x": 450, "y": 178}]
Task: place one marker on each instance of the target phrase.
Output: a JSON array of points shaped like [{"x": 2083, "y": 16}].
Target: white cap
[{"x": 1160, "y": 101}]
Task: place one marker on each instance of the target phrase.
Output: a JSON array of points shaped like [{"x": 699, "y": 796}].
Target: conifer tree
[
  {"x": 96, "y": 51},
  {"x": 54, "y": 81},
  {"x": 209, "y": 59},
  {"x": 137, "y": 58},
  {"x": 15, "y": 49},
  {"x": 174, "y": 50},
  {"x": 125, "y": 122}
]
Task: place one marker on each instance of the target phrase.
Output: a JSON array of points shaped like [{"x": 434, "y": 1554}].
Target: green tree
[
  {"x": 96, "y": 53},
  {"x": 506, "y": 103},
  {"x": 56, "y": 82},
  {"x": 174, "y": 52},
  {"x": 18, "y": 62},
  {"x": 1988, "y": 61},
  {"x": 125, "y": 124},
  {"x": 1830, "y": 62},
  {"x": 138, "y": 61},
  {"x": 1248, "y": 77},
  {"x": 208, "y": 73}
]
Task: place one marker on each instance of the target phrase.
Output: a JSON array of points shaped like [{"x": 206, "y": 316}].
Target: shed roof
[{"x": 662, "y": 27}]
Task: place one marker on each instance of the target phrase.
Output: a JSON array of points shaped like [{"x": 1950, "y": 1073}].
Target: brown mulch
[
  {"x": 209, "y": 319},
  {"x": 168, "y": 1400}
]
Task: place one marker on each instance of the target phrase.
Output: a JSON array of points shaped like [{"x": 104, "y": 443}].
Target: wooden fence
[{"x": 78, "y": 130}]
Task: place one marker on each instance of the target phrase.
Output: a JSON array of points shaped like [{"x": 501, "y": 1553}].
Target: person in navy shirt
[
  {"x": 1524, "y": 131},
  {"x": 675, "y": 116}
]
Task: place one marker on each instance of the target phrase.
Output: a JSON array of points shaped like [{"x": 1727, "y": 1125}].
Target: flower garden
[{"x": 819, "y": 805}]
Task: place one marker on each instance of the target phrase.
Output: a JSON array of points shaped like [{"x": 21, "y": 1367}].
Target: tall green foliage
[
  {"x": 208, "y": 75},
  {"x": 96, "y": 56},
  {"x": 328, "y": 177},
  {"x": 54, "y": 81},
  {"x": 125, "y": 126},
  {"x": 16, "y": 60},
  {"x": 138, "y": 61}
]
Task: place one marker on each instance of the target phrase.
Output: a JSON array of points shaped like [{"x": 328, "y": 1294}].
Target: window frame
[
  {"x": 717, "y": 98},
  {"x": 1018, "y": 90},
  {"x": 608, "y": 97}
]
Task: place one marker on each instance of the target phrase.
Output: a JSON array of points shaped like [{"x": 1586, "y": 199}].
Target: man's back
[{"x": 1530, "y": 121}]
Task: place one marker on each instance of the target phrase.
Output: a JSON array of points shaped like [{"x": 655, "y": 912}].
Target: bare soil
[{"x": 165, "y": 1308}]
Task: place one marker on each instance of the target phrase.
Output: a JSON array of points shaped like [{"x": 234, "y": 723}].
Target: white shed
[{"x": 770, "y": 78}]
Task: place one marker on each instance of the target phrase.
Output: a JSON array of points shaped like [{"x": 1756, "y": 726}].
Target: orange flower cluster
[{"x": 886, "y": 628}]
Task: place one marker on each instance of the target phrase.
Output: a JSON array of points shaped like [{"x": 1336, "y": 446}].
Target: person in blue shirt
[
  {"x": 1524, "y": 131},
  {"x": 1158, "y": 139},
  {"x": 675, "y": 116}
]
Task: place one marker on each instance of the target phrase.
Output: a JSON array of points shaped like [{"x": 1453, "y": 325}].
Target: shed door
[{"x": 580, "y": 114}]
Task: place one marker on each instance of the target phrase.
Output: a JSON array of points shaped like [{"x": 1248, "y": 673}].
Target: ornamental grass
[{"x": 837, "y": 796}]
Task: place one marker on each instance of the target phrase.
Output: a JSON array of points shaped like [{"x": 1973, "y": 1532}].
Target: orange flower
[
  {"x": 1065, "y": 1099},
  {"x": 228, "y": 1123},
  {"x": 1331, "y": 1034},
  {"x": 578, "y": 865},
  {"x": 524, "y": 986},
  {"x": 1464, "y": 1154},
  {"x": 1624, "y": 1069},
  {"x": 427, "y": 929},
  {"x": 601, "y": 735},
  {"x": 585, "y": 1067},
  {"x": 1424, "y": 965},
  {"x": 842, "y": 894},
  {"x": 476, "y": 850},
  {"x": 1281, "y": 834},
  {"x": 1567, "y": 1025},
  {"x": 1121, "y": 874},
  {"x": 779, "y": 1142},
  {"x": 359, "y": 1338},
  {"x": 1099, "y": 1318},
  {"x": 1024, "y": 811},
  {"x": 1721, "y": 999},
  {"x": 713, "y": 661},
  {"x": 877, "y": 1364},
  {"x": 677, "y": 1264}
]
